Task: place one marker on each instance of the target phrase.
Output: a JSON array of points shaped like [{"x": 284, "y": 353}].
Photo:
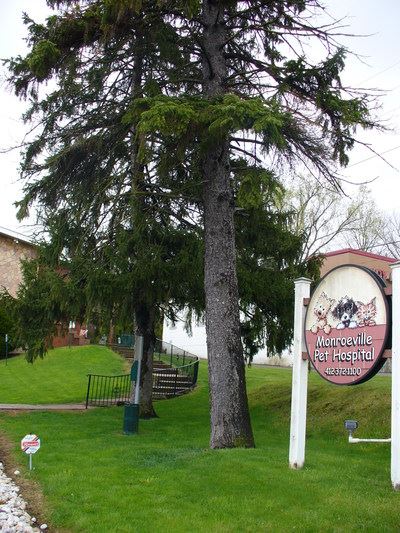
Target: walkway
[{"x": 42, "y": 407}]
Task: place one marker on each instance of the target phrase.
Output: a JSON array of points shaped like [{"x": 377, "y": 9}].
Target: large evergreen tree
[
  {"x": 92, "y": 190},
  {"x": 261, "y": 98},
  {"x": 164, "y": 107}
]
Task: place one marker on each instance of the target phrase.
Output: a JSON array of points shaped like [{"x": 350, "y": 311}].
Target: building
[
  {"x": 14, "y": 247},
  {"x": 196, "y": 343}
]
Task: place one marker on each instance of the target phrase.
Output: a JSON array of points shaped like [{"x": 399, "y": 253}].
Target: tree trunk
[
  {"x": 145, "y": 322},
  {"x": 110, "y": 337},
  {"x": 144, "y": 313},
  {"x": 230, "y": 419}
]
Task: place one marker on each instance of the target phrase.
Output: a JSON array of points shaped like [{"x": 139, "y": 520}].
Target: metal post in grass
[
  {"x": 6, "y": 339},
  {"x": 88, "y": 390},
  {"x": 298, "y": 415},
  {"x": 131, "y": 411},
  {"x": 395, "y": 450}
]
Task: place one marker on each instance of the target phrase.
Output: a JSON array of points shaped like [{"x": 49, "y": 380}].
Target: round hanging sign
[{"x": 347, "y": 325}]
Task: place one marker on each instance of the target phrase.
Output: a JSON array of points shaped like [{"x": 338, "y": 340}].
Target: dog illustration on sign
[
  {"x": 321, "y": 311},
  {"x": 344, "y": 311}
]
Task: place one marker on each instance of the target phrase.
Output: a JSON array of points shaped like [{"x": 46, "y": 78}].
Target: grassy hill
[
  {"x": 60, "y": 377},
  {"x": 95, "y": 479}
]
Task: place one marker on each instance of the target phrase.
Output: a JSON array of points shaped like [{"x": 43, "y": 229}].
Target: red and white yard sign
[{"x": 30, "y": 444}]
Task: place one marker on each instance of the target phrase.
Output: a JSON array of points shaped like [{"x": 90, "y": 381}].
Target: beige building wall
[{"x": 12, "y": 250}]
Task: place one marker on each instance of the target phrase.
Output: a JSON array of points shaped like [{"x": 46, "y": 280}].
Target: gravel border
[{"x": 13, "y": 515}]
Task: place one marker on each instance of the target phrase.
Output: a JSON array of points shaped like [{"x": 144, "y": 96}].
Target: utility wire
[
  {"x": 373, "y": 156},
  {"x": 381, "y": 72}
]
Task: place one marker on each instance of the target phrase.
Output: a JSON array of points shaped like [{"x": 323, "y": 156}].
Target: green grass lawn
[
  {"x": 60, "y": 377},
  {"x": 95, "y": 479}
]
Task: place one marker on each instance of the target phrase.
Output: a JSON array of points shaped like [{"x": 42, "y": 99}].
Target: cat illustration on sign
[
  {"x": 321, "y": 310},
  {"x": 344, "y": 311},
  {"x": 366, "y": 313}
]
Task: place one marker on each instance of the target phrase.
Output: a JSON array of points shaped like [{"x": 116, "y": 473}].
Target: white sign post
[
  {"x": 30, "y": 445},
  {"x": 395, "y": 451},
  {"x": 299, "y": 378}
]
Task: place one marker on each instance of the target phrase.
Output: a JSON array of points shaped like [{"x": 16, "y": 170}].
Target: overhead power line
[
  {"x": 381, "y": 72},
  {"x": 373, "y": 156}
]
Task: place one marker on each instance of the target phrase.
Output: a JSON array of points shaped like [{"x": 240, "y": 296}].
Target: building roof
[
  {"x": 362, "y": 253},
  {"x": 15, "y": 235}
]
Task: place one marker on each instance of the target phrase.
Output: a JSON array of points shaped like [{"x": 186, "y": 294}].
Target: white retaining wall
[{"x": 197, "y": 345}]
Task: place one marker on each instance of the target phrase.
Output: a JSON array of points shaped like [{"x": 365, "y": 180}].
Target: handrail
[
  {"x": 173, "y": 380},
  {"x": 104, "y": 391},
  {"x": 107, "y": 375},
  {"x": 161, "y": 348}
]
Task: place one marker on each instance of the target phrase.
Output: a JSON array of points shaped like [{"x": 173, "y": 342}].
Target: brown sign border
[{"x": 380, "y": 360}]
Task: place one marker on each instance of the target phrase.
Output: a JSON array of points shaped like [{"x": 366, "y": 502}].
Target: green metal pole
[
  {"x": 131, "y": 411},
  {"x": 138, "y": 357}
]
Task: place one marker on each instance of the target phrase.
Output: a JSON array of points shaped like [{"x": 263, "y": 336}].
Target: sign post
[
  {"x": 30, "y": 444},
  {"x": 395, "y": 445},
  {"x": 345, "y": 331},
  {"x": 299, "y": 378}
]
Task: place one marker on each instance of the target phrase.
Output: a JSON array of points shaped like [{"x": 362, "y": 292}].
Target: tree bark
[
  {"x": 110, "y": 337},
  {"x": 145, "y": 322},
  {"x": 230, "y": 418}
]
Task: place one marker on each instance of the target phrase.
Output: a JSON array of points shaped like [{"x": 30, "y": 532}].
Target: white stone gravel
[{"x": 13, "y": 516}]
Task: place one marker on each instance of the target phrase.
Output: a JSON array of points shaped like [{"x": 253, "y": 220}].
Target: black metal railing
[
  {"x": 104, "y": 391},
  {"x": 175, "y": 357},
  {"x": 175, "y": 372}
]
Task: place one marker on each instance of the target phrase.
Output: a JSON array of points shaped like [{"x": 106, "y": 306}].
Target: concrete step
[{"x": 167, "y": 381}]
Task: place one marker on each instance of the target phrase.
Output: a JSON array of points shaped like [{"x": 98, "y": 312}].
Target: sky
[{"x": 376, "y": 66}]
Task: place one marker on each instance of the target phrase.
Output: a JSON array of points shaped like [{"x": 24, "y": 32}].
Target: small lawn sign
[{"x": 30, "y": 444}]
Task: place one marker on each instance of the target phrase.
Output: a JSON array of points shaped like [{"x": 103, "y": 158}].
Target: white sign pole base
[
  {"x": 395, "y": 451},
  {"x": 298, "y": 415}
]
